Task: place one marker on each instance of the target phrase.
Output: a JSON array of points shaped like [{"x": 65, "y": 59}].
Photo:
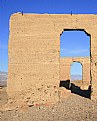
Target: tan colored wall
[
  {"x": 65, "y": 65},
  {"x": 33, "y": 56},
  {"x": 34, "y": 50}
]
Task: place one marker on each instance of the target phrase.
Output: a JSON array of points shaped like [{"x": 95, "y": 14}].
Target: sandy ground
[{"x": 71, "y": 108}]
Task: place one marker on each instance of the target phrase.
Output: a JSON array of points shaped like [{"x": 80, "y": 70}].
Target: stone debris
[
  {"x": 73, "y": 108},
  {"x": 0, "y": 87}
]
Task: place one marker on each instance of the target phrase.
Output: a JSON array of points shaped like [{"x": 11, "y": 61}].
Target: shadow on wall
[
  {"x": 75, "y": 89},
  {"x": 65, "y": 84}
]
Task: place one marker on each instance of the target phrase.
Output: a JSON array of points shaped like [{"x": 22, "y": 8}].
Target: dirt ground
[
  {"x": 3, "y": 96},
  {"x": 71, "y": 108}
]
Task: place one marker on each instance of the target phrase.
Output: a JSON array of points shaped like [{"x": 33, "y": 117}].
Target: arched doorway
[
  {"x": 74, "y": 43},
  {"x": 76, "y": 73}
]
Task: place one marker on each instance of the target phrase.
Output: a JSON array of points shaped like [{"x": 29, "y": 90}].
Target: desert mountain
[
  {"x": 3, "y": 78},
  {"x": 76, "y": 77}
]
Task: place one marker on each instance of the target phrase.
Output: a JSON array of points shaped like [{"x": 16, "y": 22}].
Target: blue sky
[
  {"x": 7, "y": 7},
  {"x": 74, "y": 44},
  {"x": 77, "y": 66}
]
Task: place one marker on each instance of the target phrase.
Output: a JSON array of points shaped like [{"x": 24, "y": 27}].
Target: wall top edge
[{"x": 42, "y": 14}]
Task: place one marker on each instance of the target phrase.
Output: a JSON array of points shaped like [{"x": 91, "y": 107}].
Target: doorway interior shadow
[
  {"x": 76, "y": 89},
  {"x": 65, "y": 84}
]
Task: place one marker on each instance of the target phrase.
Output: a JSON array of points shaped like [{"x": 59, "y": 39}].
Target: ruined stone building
[
  {"x": 34, "y": 54},
  {"x": 65, "y": 64}
]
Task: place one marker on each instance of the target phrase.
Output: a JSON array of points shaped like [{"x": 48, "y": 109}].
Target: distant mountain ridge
[
  {"x": 76, "y": 77},
  {"x": 3, "y": 78}
]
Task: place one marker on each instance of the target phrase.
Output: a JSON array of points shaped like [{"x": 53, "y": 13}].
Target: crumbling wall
[
  {"x": 34, "y": 51},
  {"x": 33, "y": 57},
  {"x": 65, "y": 65}
]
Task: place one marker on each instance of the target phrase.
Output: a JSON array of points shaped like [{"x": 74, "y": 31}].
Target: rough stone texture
[
  {"x": 34, "y": 51},
  {"x": 65, "y": 65},
  {"x": 72, "y": 108}
]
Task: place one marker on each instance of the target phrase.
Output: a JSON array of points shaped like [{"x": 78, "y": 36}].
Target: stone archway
[
  {"x": 65, "y": 64},
  {"x": 76, "y": 65}
]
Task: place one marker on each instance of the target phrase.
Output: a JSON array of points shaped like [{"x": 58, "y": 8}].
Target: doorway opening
[
  {"x": 76, "y": 73},
  {"x": 75, "y": 44}
]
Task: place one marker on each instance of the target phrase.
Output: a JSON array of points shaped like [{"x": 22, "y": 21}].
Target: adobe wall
[
  {"x": 65, "y": 65},
  {"x": 34, "y": 52}
]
